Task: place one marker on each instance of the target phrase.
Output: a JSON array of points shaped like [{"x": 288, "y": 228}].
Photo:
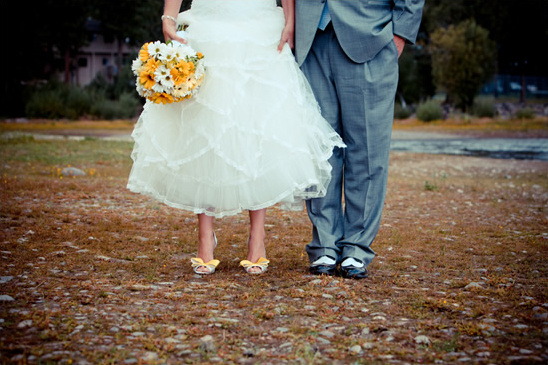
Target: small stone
[
  {"x": 525, "y": 352},
  {"x": 422, "y": 339},
  {"x": 72, "y": 171},
  {"x": 18, "y": 358},
  {"x": 6, "y": 298},
  {"x": 487, "y": 327},
  {"x": 149, "y": 356},
  {"x": 249, "y": 352},
  {"x": 356, "y": 349},
  {"x": 207, "y": 344},
  {"x": 327, "y": 334},
  {"x": 5, "y": 279},
  {"x": 25, "y": 324},
  {"x": 323, "y": 341},
  {"x": 474, "y": 285},
  {"x": 139, "y": 287}
]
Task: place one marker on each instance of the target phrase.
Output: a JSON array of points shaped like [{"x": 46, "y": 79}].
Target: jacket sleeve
[{"x": 406, "y": 18}]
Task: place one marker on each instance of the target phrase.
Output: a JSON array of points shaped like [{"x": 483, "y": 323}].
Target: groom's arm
[{"x": 406, "y": 18}]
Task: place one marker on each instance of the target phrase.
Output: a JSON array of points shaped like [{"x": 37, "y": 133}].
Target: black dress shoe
[
  {"x": 323, "y": 269},
  {"x": 353, "y": 272}
]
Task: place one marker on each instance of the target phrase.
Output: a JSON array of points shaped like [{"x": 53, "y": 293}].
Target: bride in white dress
[{"x": 252, "y": 137}]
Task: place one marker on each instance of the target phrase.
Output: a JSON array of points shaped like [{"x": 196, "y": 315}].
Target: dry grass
[
  {"x": 102, "y": 276},
  {"x": 485, "y": 127}
]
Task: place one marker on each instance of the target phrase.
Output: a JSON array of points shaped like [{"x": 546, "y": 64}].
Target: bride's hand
[
  {"x": 169, "y": 29},
  {"x": 288, "y": 35}
]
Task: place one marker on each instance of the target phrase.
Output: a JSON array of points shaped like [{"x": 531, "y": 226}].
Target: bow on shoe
[
  {"x": 210, "y": 265},
  {"x": 262, "y": 264}
]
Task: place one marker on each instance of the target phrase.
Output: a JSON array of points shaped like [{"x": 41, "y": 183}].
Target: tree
[
  {"x": 415, "y": 75},
  {"x": 51, "y": 27},
  {"x": 131, "y": 22},
  {"x": 128, "y": 21},
  {"x": 42, "y": 37},
  {"x": 463, "y": 59},
  {"x": 518, "y": 28}
]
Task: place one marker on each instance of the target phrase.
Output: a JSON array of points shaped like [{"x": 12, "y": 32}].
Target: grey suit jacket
[{"x": 363, "y": 27}]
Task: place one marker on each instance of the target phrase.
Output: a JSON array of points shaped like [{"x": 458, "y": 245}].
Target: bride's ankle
[
  {"x": 255, "y": 249},
  {"x": 206, "y": 246}
]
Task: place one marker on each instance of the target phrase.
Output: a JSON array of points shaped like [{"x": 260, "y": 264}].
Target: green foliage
[
  {"x": 123, "y": 83},
  {"x": 484, "y": 108},
  {"x": 463, "y": 59},
  {"x": 429, "y": 111},
  {"x": 525, "y": 113},
  {"x": 60, "y": 101},
  {"x": 517, "y": 27},
  {"x": 415, "y": 75},
  {"x": 133, "y": 21},
  {"x": 400, "y": 112},
  {"x": 124, "y": 108}
]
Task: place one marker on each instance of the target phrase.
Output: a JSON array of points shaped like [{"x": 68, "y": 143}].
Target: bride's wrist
[{"x": 168, "y": 17}]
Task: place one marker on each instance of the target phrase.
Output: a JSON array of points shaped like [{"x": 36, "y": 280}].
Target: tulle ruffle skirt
[{"x": 252, "y": 137}]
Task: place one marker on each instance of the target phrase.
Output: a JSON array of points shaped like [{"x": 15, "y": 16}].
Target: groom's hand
[{"x": 400, "y": 44}]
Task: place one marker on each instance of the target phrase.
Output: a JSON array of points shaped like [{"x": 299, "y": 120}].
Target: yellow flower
[
  {"x": 175, "y": 76},
  {"x": 143, "y": 53},
  {"x": 185, "y": 68},
  {"x": 151, "y": 65},
  {"x": 147, "y": 79},
  {"x": 199, "y": 55},
  {"x": 162, "y": 98},
  {"x": 146, "y": 74}
]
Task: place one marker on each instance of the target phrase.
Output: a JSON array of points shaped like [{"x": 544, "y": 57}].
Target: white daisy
[
  {"x": 136, "y": 65},
  {"x": 167, "y": 54},
  {"x": 155, "y": 49}
]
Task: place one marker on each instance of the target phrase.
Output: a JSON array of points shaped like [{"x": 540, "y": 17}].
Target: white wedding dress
[{"x": 252, "y": 137}]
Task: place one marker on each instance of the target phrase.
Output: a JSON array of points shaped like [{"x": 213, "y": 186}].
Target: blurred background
[{"x": 71, "y": 59}]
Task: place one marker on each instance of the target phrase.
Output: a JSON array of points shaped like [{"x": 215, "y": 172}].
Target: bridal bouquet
[{"x": 168, "y": 72}]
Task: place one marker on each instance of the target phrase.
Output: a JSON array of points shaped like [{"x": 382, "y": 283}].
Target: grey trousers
[{"x": 357, "y": 99}]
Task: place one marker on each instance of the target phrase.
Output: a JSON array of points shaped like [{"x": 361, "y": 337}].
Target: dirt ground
[{"x": 93, "y": 274}]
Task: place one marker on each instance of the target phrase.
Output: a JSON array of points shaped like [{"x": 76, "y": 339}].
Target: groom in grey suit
[{"x": 348, "y": 50}]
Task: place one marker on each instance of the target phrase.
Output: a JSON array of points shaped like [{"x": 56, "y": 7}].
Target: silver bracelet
[{"x": 169, "y": 17}]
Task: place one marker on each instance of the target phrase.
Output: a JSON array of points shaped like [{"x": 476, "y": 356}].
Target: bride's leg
[
  {"x": 206, "y": 239},
  {"x": 256, "y": 247}
]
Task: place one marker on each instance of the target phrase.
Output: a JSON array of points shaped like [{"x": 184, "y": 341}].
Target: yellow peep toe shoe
[
  {"x": 262, "y": 264},
  {"x": 209, "y": 266}
]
